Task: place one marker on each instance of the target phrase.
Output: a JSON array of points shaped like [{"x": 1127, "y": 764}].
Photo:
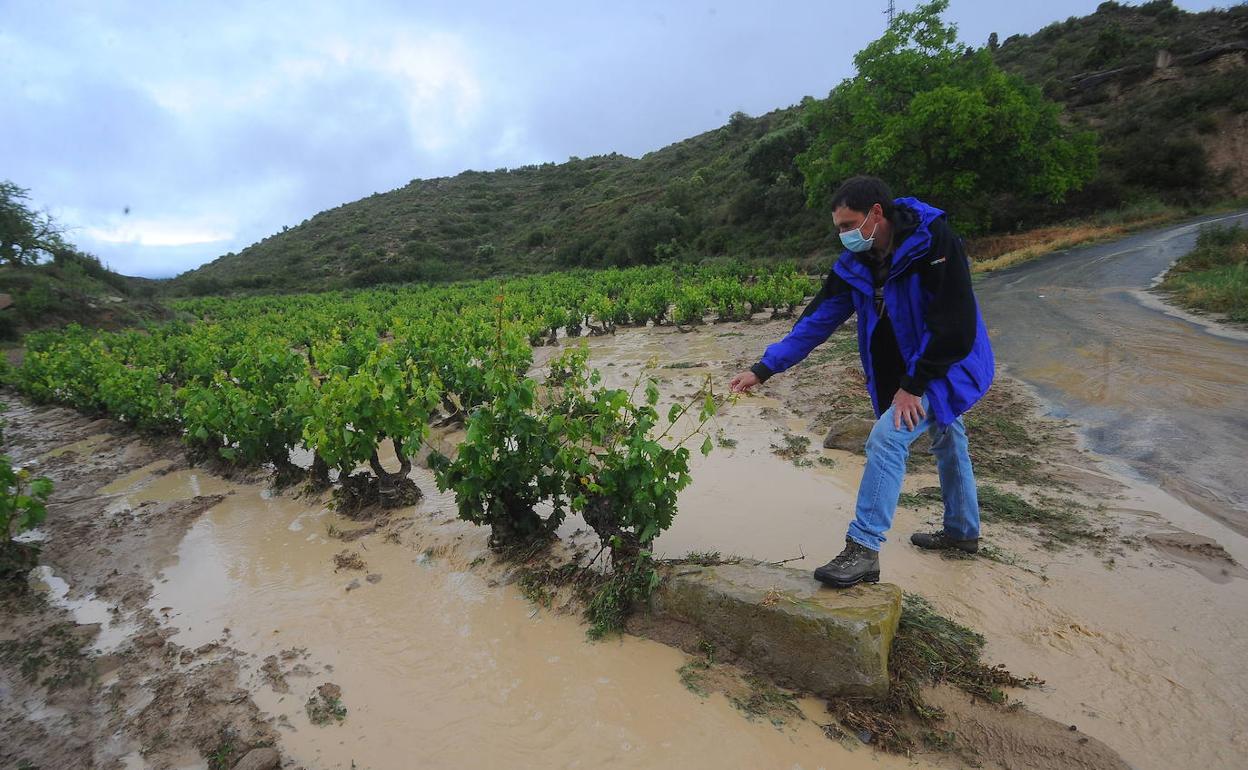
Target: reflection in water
[{"x": 86, "y": 610}]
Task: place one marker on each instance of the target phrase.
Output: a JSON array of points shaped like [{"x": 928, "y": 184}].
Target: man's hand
[
  {"x": 907, "y": 407},
  {"x": 743, "y": 382}
]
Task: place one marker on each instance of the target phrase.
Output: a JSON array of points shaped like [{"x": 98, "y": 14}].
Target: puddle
[
  {"x": 86, "y": 611},
  {"x": 31, "y": 536},
  {"x": 135, "y": 479},
  {"x": 134, "y": 489},
  {"x": 439, "y": 667},
  {"x": 80, "y": 447}
]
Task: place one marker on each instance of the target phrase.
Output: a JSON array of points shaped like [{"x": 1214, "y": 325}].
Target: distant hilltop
[{"x": 1162, "y": 88}]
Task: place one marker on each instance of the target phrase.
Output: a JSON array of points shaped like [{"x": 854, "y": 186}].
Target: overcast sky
[{"x": 216, "y": 123}]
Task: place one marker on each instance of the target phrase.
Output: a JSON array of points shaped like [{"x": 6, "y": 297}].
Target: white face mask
[{"x": 853, "y": 240}]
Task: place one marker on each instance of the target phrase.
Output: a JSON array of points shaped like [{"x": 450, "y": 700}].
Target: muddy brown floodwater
[{"x": 442, "y": 663}]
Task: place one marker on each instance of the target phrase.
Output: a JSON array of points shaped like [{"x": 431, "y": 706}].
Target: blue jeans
[{"x": 887, "y": 450}]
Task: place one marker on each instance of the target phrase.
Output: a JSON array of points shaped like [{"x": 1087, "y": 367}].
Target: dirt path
[{"x": 1153, "y": 388}]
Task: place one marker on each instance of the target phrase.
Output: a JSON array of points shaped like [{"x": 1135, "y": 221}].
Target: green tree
[
  {"x": 649, "y": 226},
  {"x": 26, "y": 235},
  {"x": 942, "y": 121}
]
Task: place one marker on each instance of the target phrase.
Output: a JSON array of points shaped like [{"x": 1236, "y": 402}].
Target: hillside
[
  {"x": 73, "y": 288},
  {"x": 1163, "y": 88},
  {"x": 604, "y": 210},
  {"x": 1166, "y": 90}
]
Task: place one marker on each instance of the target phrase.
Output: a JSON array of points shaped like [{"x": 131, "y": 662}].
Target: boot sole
[{"x": 869, "y": 577}]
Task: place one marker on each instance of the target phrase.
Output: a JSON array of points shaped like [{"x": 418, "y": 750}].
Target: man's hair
[{"x": 860, "y": 193}]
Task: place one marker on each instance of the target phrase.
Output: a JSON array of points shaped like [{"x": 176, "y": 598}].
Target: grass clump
[
  {"x": 703, "y": 558},
  {"x": 1213, "y": 277},
  {"x": 1058, "y": 522},
  {"x": 929, "y": 649},
  {"x": 794, "y": 449},
  {"x": 608, "y": 598}
]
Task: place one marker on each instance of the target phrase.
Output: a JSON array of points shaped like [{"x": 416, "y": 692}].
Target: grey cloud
[{"x": 556, "y": 79}]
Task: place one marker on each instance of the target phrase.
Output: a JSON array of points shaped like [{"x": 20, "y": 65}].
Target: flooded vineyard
[{"x": 437, "y": 659}]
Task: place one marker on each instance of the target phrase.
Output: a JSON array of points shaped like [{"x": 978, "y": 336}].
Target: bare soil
[{"x": 67, "y": 705}]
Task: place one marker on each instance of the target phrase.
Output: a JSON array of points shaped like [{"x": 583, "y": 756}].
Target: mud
[
  {"x": 240, "y": 615},
  {"x": 108, "y": 688},
  {"x": 998, "y": 736},
  {"x": 1137, "y": 647},
  {"x": 1202, "y": 554}
]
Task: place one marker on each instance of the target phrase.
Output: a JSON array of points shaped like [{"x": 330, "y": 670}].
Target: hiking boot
[
  {"x": 856, "y": 564},
  {"x": 942, "y": 541}
]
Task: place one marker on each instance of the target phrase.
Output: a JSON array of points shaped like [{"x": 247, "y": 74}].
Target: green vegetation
[
  {"x": 338, "y": 376},
  {"x": 572, "y": 446},
  {"x": 944, "y": 123},
  {"x": 23, "y": 506},
  {"x": 1150, "y": 81},
  {"x": 1057, "y": 522},
  {"x": 1213, "y": 277},
  {"x": 26, "y": 236},
  {"x": 740, "y": 192},
  {"x": 794, "y": 449},
  {"x": 52, "y": 283}
]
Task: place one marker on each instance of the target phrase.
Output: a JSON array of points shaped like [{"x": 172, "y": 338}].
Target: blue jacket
[{"x": 928, "y": 299}]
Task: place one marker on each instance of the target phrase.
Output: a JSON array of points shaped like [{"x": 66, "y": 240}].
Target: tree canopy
[
  {"x": 942, "y": 121},
  {"x": 26, "y": 236}
]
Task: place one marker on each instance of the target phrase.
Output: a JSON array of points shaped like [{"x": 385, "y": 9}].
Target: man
[{"x": 925, "y": 352}]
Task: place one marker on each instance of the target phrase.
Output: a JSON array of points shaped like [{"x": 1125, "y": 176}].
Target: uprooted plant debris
[
  {"x": 794, "y": 449},
  {"x": 929, "y": 649},
  {"x": 606, "y": 599},
  {"x": 325, "y": 705},
  {"x": 348, "y": 560},
  {"x": 1058, "y": 521}
]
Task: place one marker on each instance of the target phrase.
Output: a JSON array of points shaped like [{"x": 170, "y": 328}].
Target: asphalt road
[{"x": 1162, "y": 392}]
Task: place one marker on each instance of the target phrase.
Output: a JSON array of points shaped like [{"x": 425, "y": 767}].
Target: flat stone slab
[{"x": 780, "y": 621}]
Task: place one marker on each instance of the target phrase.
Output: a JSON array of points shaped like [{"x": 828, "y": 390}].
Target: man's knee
[
  {"x": 885, "y": 437},
  {"x": 948, "y": 438}
]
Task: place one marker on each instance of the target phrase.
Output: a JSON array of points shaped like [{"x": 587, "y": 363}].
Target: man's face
[{"x": 845, "y": 219}]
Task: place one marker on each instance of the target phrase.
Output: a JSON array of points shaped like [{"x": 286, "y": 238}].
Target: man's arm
[
  {"x": 828, "y": 310},
  {"x": 951, "y": 313}
]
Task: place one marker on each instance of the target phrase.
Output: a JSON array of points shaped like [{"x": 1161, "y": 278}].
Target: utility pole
[{"x": 891, "y": 13}]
